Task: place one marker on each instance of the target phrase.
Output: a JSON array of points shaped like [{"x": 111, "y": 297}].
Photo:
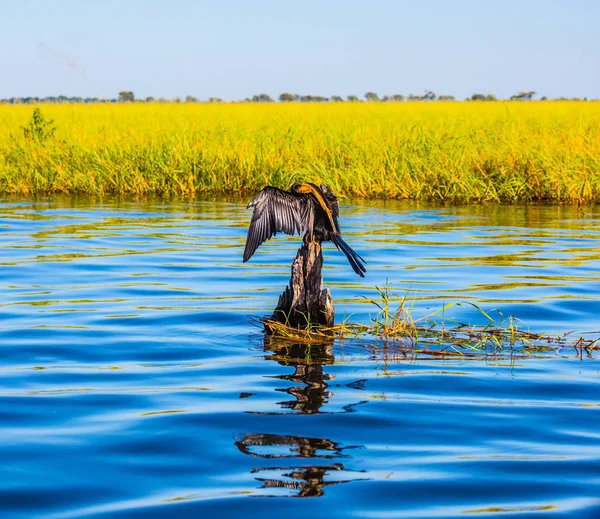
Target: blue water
[{"x": 133, "y": 383}]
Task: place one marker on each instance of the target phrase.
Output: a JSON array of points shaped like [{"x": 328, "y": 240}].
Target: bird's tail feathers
[{"x": 356, "y": 261}]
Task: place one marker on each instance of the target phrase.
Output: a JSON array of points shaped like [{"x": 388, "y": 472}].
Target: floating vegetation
[{"x": 436, "y": 334}]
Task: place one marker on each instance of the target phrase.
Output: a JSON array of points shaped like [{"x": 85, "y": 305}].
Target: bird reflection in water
[{"x": 304, "y": 480}]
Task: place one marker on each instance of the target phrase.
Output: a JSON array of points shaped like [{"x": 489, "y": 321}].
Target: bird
[{"x": 306, "y": 209}]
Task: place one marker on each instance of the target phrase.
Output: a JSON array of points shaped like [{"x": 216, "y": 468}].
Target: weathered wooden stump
[{"x": 304, "y": 301}]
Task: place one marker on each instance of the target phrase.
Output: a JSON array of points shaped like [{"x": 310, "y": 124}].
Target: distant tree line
[{"x": 127, "y": 96}]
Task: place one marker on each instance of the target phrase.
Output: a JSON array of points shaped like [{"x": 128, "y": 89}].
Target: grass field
[{"x": 451, "y": 152}]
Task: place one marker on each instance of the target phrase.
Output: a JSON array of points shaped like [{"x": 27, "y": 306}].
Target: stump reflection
[
  {"x": 308, "y": 360},
  {"x": 310, "y": 392}
]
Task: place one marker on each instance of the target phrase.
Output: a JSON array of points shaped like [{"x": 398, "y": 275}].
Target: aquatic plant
[
  {"x": 449, "y": 152},
  {"x": 394, "y": 325}
]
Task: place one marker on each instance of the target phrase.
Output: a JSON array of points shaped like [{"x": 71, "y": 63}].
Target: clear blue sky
[{"x": 234, "y": 49}]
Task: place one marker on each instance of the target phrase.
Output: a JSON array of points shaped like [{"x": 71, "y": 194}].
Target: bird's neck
[{"x": 308, "y": 188}]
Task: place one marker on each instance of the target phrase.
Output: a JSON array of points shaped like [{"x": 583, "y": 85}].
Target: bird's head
[{"x": 328, "y": 193}]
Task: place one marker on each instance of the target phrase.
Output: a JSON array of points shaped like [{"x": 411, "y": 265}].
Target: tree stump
[{"x": 304, "y": 301}]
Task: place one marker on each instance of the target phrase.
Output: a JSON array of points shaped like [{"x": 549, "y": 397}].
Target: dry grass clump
[{"x": 434, "y": 333}]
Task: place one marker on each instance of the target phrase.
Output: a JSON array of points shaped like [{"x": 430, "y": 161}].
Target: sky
[{"x": 234, "y": 49}]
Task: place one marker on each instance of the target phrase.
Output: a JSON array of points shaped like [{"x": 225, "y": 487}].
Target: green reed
[{"x": 501, "y": 152}]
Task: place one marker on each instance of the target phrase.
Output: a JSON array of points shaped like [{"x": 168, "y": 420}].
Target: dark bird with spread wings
[{"x": 306, "y": 209}]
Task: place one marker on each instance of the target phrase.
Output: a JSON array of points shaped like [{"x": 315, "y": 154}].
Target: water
[{"x": 133, "y": 383}]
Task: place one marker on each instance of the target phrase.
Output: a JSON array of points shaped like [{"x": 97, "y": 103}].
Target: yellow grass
[{"x": 450, "y": 152}]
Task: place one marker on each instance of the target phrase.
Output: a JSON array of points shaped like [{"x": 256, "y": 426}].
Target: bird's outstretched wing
[{"x": 274, "y": 211}]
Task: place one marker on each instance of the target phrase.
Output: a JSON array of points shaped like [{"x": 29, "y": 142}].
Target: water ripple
[{"x": 134, "y": 384}]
